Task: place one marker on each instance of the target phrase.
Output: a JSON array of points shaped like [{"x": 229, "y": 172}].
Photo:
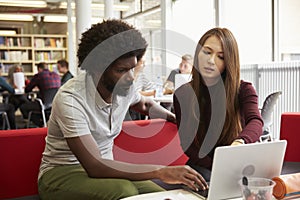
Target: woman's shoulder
[
  {"x": 246, "y": 88},
  {"x": 184, "y": 90},
  {"x": 246, "y": 84}
]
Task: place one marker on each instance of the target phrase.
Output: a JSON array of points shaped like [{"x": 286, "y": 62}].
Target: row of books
[
  {"x": 48, "y": 42},
  {"x": 14, "y": 41},
  {"x": 14, "y": 55},
  {"x": 48, "y": 56}
]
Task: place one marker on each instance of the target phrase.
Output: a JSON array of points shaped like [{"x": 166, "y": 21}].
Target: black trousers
[{"x": 10, "y": 111}]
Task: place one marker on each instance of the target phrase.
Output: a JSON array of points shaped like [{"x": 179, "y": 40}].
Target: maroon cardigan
[{"x": 188, "y": 116}]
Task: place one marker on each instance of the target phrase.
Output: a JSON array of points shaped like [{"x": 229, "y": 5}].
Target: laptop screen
[{"x": 181, "y": 79}]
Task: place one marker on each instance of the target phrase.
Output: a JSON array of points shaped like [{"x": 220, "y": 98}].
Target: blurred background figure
[
  {"x": 185, "y": 67},
  {"x": 12, "y": 70},
  {"x": 5, "y": 106},
  {"x": 47, "y": 83},
  {"x": 17, "y": 99},
  {"x": 63, "y": 68},
  {"x": 143, "y": 85}
]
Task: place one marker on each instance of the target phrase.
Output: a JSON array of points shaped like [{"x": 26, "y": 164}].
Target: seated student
[
  {"x": 63, "y": 67},
  {"x": 7, "y": 107},
  {"x": 185, "y": 67},
  {"x": 43, "y": 80},
  {"x": 17, "y": 99},
  {"x": 87, "y": 114},
  {"x": 216, "y": 108},
  {"x": 12, "y": 70},
  {"x": 143, "y": 85}
]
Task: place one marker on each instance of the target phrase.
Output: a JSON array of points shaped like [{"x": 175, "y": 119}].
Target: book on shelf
[
  {"x": 39, "y": 43},
  {"x": 14, "y": 55},
  {"x": 2, "y": 41},
  {"x": 25, "y": 55},
  {"x": 52, "y": 42},
  {"x": 26, "y": 42},
  {"x": 59, "y": 43},
  {"x": 5, "y": 67},
  {"x": 12, "y": 42},
  {"x": 47, "y": 42},
  {"x": 56, "y": 55}
]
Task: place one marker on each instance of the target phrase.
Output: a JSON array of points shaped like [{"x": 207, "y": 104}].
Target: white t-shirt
[{"x": 78, "y": 110}]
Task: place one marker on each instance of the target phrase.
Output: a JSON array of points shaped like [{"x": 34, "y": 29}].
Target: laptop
[
  {"x": 231, "y": 163},
  {"x": 181, "y": 79}
]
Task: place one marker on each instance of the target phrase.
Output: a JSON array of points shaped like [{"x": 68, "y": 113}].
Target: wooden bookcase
[{"x": 29, "y": 50}]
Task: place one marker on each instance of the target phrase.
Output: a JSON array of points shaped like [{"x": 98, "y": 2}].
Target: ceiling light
[
  {"x": 57, "y": 18},
  {"x": 7, "y": 32},
  {"x": 64, "y": 19},
  {"x": 16, "y": 17},
  {"x": 24, "y": 3},
  {"x": 117, "y": 7}
]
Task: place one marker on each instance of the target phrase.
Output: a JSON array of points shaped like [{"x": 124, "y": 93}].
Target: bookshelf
[{"x": 29, "y": 50}]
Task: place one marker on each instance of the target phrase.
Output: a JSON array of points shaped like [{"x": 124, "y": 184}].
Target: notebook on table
[{"x": 231, "y": 163}]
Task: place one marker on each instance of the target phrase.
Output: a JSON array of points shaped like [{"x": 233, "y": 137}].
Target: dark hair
[
  {"x": 231, "y": 79},
  {"x": 106, "y": 42},
  {"x": 42, "y": 65},
  {"x": 63, "y": 63}
]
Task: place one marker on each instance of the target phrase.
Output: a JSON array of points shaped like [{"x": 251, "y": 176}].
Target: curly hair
[{"x": 106, "y": 42}]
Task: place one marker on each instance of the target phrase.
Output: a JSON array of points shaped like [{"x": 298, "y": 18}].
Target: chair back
[
  {"x": 48, "y": 97},
  {"x": 267, "y": 110},
  {"x": 290, "y": 131}
]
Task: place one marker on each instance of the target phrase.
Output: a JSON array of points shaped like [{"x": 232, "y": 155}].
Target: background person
[
  {"x": 63, "y": 67},
  {"x": 216, "y": 108},
  {"x": 87, "y": 115},
  {"x": 12, "y": 70},
  {"x": 7, "y": 107},
  {"x": 143, "y": 85},
  {"x": 185, "y": 67},
  {"x": 17, "y": 99},
  {"x": 43, "y": 80}
]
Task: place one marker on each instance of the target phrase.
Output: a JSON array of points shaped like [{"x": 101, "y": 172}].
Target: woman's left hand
[{"x": 237, "y": 142}]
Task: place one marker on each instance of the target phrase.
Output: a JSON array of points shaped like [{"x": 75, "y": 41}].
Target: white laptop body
[{"x": 231, "y": 163}]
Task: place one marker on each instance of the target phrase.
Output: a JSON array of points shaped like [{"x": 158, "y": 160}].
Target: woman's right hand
[{"x": 183, "y": 175}]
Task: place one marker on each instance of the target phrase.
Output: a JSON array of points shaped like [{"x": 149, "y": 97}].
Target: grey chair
[
  {"x": 5, "y": 121},
  {"x": 41, "y": 116},
  {"x": 267, "y": 110}
]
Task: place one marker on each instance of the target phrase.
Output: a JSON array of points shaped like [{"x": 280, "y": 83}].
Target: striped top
[{"x": 142, "y": 83}]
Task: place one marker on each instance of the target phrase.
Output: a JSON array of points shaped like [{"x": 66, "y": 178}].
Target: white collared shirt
[{"x": 78, "y": 109}]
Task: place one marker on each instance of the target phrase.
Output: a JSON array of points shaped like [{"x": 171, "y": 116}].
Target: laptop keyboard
[{"x": 202, "y": 193}]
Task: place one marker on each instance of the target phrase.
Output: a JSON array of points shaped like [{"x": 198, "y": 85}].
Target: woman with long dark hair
[{"x": 216, "y": 108}]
